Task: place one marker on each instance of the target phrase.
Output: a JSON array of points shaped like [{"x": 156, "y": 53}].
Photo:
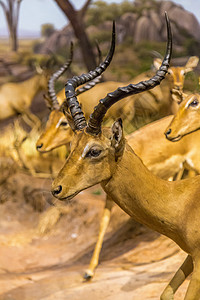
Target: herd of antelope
[{"x": 139, "y": 172}]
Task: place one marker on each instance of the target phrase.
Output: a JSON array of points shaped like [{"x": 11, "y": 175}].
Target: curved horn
[
  {"x": 96, "y": 118},
  {"x": 96, "y": 80},
  {"x": 88, "y": 85},
  {"x": 55, "y": 76},
  {"x": 72, "y": 84},
  {"x": 99, "y": 52}
]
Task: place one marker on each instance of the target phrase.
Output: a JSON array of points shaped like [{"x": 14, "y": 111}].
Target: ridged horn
[
  {"x": 72, "y": 84},
  {"x": 55, "y": 76},
  {"x": 96, "y": 80},
  {"x": 96, "y": 118}
]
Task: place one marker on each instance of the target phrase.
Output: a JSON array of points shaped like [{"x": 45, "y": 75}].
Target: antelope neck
[
  {"x": 145, "y": 197},
  {"x": 33, "y": 85}
]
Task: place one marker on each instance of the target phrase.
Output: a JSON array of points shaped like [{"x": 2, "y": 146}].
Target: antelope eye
[
  {"x": 194, "y": 103},
  {"x": 93, "y": 153},
  {"x": 63, "y": 123}
]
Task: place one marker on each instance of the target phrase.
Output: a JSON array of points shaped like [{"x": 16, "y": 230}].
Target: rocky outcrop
[
  {"x": 150, "y": 24},
  {"x": 146, "y": 23},
  {"x": 59, "y": 39}
]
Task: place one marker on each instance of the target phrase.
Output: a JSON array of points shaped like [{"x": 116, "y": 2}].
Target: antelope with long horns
[
  {"x": 165, "y": 166},
  {"x": 168, "y": 165},
  {"x": 103, "y": 156},
  {"x": 57, "y": 131}
]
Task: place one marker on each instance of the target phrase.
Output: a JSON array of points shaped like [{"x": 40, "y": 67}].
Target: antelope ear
[
  {"x": 117, "y": 139},
  {"x": 178, "y": 96},
  {"x": 64, "y": 108},
  {"x": 157, "y": 62},
  {"x": 191, "y": 63}
]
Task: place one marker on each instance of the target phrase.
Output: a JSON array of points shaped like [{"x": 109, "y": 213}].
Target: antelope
[
  {"x": 175, "y": 80},
  {"x": 186, "y": 119},
  {"x": 165, "y": 166},
  {"x": 103, "y": 156},
  {"x": 16, "y": 98}
]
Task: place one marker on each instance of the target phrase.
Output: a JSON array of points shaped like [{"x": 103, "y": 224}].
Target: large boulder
[{"x": 147, "y": 23}]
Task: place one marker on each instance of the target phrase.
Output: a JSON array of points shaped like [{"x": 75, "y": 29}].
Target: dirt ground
[{"x": 135, "y": 263}]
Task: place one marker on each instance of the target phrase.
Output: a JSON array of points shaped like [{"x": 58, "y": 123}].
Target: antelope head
[
  {"x": 187, "y": 119},
  {"x": 177, "y": 74},
  {"x": 58, "y": 132},
  {"x": 95, "y": 152}
]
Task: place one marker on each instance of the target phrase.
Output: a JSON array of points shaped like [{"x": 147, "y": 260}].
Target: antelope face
[
  {"x": 177, "y": 75},
  {"x": 93, "y": 159},
  {"x": 186, "y": 120},
  {"x": 56, "y": 133}
]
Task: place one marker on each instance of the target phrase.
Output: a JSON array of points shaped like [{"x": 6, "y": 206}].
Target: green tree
[{"x": 47, "y": 30}]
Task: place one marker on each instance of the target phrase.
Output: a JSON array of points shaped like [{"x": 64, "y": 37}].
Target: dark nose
[
  {"x": 168, "y": 132},
  {"x": 39, "y": 146},
  {"x": 57, "y": 190}
]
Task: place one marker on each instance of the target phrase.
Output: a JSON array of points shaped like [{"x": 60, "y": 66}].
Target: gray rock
[{"x": 147, "y": 24}]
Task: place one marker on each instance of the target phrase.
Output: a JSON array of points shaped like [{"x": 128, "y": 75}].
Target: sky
[{"x": 34, "y": 13}]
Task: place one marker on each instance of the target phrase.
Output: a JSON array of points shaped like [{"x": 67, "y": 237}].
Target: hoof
[{"x": 88, "y": 275}]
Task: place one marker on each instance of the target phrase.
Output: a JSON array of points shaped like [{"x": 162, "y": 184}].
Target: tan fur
[
  {"x": 175, "y": 79},
  {"x": 186, "y": 120},
  {"x": 17, "y": 97},
  {"x": 171, "y": 208},
  {"x": 160, "y": 156}
]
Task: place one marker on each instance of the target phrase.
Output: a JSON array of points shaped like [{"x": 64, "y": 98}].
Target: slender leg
[
  {"x": 178, "y": 279},
  {"x": 193, "y": 291},
  {"x": 103, "y": 227}
]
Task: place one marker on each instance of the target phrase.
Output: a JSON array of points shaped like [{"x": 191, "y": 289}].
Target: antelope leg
[
  {"x": 193, "y": 291},
  {"x": 178, "y": 279},
  {"x": 103, "y": 227}
]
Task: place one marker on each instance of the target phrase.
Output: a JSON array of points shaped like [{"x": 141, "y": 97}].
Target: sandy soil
[{"x": 135, "y": 263}]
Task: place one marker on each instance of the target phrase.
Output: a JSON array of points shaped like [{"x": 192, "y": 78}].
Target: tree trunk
[
  {"x": 76, "y": 20},
  {"x": 11, "y": 11},
  {"x": 14, "y": 42}
]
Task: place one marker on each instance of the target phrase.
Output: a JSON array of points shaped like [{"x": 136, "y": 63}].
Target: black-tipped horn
[
  {"x": 96, "y": 118},
  {"x": 72, "y": 84},
  {"x": 55, "y": 76}
]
